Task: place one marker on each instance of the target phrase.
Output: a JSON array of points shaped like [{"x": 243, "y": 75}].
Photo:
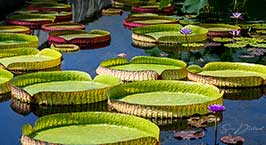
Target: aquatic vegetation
[
  {"x": 216, "y": 108},
  {"x": 235, "y": 33},
  {"x": 79, "y": 37},
  {"x": 14, "y": 29},
  {"x": 168, "y": 10},
  {"x": 5, "y": 77},
  {"x": 62, "y": 26},
  {"x": 63, "y": 48},
  {"x": 112, "y": 11},
  {"x": 132, "y": 22},
  {"x": 50, "y": 7},
  {"x": 163, "y": 99},
  {"x": 143, "y": 68},
  {"x": 233, "y": 140},
  {"x": 228, "y": 74},
  {"x": 31, "y": 60},
  {"x": 92, "y": 128},
  {"x": 169, "y": 34},
  {"x": 189, "y": 134},
  {"x": 61, "y": 87},
  {"x": 33, "y": 21},
  {"x": 222, "y": 39},
  {"x": 219, "y": 30},
  {"x": 9, "y": 40}
]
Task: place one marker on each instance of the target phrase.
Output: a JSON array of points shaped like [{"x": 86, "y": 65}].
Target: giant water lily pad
[
  {"x": 132, "y": 22},
  {"x": 143, "y": 68},
  {"x": 154, "y": 9},
  {"x": 229, "y": 74},
  {"x": 61, "y": 16},
  {"x": 219, "y": 30},
  {"x": 14, "y": 29},
  {"x": 91, "y": 128},
  {"x": 5, "y": 77},
  {"x": 50, "y": 7},
  {"x": 166, "y": 99},
  {"x": 9, "y": 40},
  {"x": 31, "y": 60},
  {"x": 63, "y": 26},
  {"x": 169, "y": 33},
  {"x": 79, "y": 37},
  {"x": 33, "y": 21},
  {"x": 65, "y": 87}
]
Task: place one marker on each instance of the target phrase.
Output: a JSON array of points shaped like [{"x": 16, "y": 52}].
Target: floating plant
[
  {"x": 33, "y": 21},
  {"x": 169, "y": 10},
  {"x": 9, "y": 40},
  {"x": 219, "y": 30},
  {"x": 164, "y": 99},
  {"x": 79, "y": 37},
  {"x": 233, "y": 140},
  {"x": 5, "y": 77},
  {"x": 132, "y": 22},
  {"x": 143, "y": 68},
  {"x": 62, "y": 26},
  {"x": 61, "y": 87},
  {"x": 50, "y": 7},
  {"x": 222, "y": 39},
  {"x": 169, "y": 34},
  {"x": 31, "y": 60},
  {"x": 91, "y": 128},
  {"x": 14, "y": 29},
  {"x": 65, "y": 47},
  {"x": 112, "y": 11},
  {"x": 61, "y": 16},
  {"x": 229, "y": 74},
  {"x": 189, "y": 134}
]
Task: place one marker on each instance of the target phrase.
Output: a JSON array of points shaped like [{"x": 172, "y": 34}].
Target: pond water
[{"x": 243, "y": 116}]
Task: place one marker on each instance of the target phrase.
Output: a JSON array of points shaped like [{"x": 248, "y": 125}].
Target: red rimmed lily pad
[
  {"x": 33, "y": 21},
  {"x": 112, "y": 11},
  {"x": 63, "y": 26},
  {"x": 189, "y": 134},
  {"x": 79, "y": 37},
  {"x": 154, "y": 9}
]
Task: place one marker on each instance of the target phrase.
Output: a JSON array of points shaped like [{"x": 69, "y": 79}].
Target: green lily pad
[
  {"x": 5, "y": 77},
  {"x": 14, "y": 29},
  {"x": 65, "y": 87},
  {"x": 89, "y": 128},
  {"x": 222, "y": 40},
  {"x": 230, "y": 74},
  {"x": 169, "y": 33},
  {"x": 32, "y": 60},
  {"x": 9, "y": 40},
  {"x": 143, "y": 68},
  {"x": 219, "y": 27},
  {"x": 163, "y": 99},
  {"x": 236, "y": 45}
]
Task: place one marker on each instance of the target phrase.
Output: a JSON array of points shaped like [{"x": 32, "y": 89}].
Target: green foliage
[{"x": 194, "y": 6}]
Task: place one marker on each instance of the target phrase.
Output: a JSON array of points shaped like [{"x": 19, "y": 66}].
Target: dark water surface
[{"x": 245, "y": 117}]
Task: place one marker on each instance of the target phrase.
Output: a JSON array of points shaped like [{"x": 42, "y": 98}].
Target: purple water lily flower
[
  {"x": 235, "y": 32},
  {"x": 236, "y": 15},
  {"x": 216, "y": 108},
  {"x": 185, "y": 31}
]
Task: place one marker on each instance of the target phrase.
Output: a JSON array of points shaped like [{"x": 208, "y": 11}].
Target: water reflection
[
  {"x": 243, "y": 93},
  {"x": 26, "y": 108},
  {"x": 82, "y": 9},
  {"x": 5, "y": 97}
]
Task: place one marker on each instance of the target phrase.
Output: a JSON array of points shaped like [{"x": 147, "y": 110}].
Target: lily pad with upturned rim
[
  {"x": 5, "y": 77},
  {"x": 65, "y": 47},
  {"x": 90, "y": 127},
  {"x": 63, "y": 26},
  {"x": 79, "y": 37},
  {"x": 33, "y": 21},
  {"x": 32, "y": 61},
  {"x": 169, "y": 34},
  {"x": 219, "y": 30},
  {"x": 143, "y": 68},
  {"x": 164, "y": 99},
  {"x": 9, "y": 40},
  {"x": 50, "y": 7},
  {"x": 229, "y": 74},
  {"x": 168, "y": 10},
  {"x": 15, "y": 29},
  {"x": 132, "y": 22},
  {"x": 61, "y": 87},
  {"x": 112, "y": 11}
]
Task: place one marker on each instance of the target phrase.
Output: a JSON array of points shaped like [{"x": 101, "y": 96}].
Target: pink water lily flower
[
  {"x": 235, "y": 32},
  {"x": 122, "y": 55},
  {"x": 216, "y": 108}
]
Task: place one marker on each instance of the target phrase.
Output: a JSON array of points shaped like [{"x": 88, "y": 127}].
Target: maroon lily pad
[
  {"x": 233, "y": 140},
  {"x": 202, "y": 121},
  {"x": 189, "y": 134}
]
